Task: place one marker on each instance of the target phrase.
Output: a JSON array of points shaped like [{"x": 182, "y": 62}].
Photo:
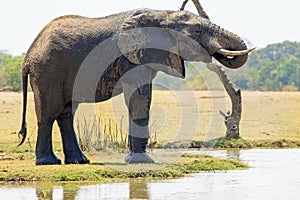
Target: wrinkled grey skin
[{"x": 55, "y": 57}]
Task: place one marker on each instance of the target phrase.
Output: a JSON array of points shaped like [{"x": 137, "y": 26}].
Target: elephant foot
[
  {"x": 78, "y": 159},
  {"x": 132, "y": 158},
  {"x": 47, "y": 160}
]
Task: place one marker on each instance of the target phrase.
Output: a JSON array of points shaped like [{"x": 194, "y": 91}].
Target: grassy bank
[
  {"x": 222, "y": 143},
  {"x": 19, "y": 166}
]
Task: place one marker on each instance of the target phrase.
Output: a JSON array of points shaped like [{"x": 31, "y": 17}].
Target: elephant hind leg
[
  {"x": 72, "y": 151},
  {"x": 45, "y": 111},
  {"x": 44, "y": 150}
]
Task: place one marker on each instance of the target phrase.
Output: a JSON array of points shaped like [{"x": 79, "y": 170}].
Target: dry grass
[{"x": 178, "y": 115}]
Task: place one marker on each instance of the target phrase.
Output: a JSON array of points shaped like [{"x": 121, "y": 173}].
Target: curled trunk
[
  {"x": 227, "y": 41},
  {"x": 231, "y": 42}
]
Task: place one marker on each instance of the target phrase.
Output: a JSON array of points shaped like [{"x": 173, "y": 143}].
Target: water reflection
[
  {"x": 44, "y": 193},
  {"x": 134, "y": 189},
  {"x": 48, "y": 191},
  {"x": 233, "y": 154},
  {"x": 138, "y": 190}
]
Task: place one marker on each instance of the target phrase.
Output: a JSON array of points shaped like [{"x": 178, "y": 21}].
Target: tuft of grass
[
  {"x": 232, "y": 143},
  {"x": 210, "y": 165},
  {"x": 188, "y": 155},
  {"x": 101, "y": 133},
  {"x": 15, "y": 149}
]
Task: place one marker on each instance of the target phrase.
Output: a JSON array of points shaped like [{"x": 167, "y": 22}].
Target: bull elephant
[{"x": 56, "y": 56}]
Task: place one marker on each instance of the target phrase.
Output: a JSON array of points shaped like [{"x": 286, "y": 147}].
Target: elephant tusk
[{"x": 235, "y": 53}]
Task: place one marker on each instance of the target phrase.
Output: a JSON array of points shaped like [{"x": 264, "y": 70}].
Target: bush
[{"x": 11, "y": 68}]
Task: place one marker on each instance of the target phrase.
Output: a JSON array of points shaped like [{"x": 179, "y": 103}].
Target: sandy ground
[{"x": 175, "y": 115}]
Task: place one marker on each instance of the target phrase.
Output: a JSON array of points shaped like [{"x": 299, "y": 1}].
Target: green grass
[
  {"x": 223, "y": 143},
  {"x": 23, "y": 170}
]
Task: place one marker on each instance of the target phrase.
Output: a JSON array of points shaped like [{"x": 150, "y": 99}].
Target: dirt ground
[{"x": 175, "y": 115}]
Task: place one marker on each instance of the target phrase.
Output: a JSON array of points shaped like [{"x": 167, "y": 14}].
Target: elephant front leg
[
  {"x": 72, "y": 151},
  {"x": 138, "y": 143},
  {"x": 138, "y": 102},
  {"x": 44, "y": 151}
]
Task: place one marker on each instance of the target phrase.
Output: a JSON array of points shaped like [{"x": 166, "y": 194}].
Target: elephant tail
[{"x": 23, "y": 131}]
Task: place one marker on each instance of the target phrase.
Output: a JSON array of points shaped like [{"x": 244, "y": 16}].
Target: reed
[{"x": 101, "y": 133}]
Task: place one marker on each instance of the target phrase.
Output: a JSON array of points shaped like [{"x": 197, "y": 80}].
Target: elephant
[{"x": 56, "y": 56}]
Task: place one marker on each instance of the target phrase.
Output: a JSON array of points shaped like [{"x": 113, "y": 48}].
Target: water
[{"x": 275, "y": 174}]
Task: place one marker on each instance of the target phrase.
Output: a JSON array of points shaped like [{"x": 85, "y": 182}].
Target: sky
[{"x": 262, "y": 22}]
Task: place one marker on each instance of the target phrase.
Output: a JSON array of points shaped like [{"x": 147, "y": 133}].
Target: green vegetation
[
  {"x": 17, "y": 164},
  {"x": 223, "y": 143},
  {"x": 196, "y": 79},
  {"x": 10, "y": 72},
  {"x": 19, "y": 167},
  {"x": 274, "y": 68}
]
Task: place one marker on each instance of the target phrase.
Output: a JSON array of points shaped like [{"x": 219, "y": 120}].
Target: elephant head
[{"x": 169, "y": 37}]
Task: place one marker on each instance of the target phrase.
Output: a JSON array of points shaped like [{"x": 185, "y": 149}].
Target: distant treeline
[
  {"x": 276, "y": 68},
  {"x": 273, "y": 68},
  {"x": 10, "y": 72}
]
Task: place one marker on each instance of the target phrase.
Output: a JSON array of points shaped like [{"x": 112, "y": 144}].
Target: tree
[
  {"x": 274, "y": 68},
  {"x": 12, "y": 67}
]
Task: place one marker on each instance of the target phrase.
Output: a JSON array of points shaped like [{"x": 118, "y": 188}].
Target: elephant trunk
[{"x": 234, "y": 53}]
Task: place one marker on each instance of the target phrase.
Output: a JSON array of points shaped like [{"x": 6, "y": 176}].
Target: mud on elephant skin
[{"x": 54, "y": 60}]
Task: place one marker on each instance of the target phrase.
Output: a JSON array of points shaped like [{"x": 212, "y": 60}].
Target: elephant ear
[{"x": 142, "y": 40}]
